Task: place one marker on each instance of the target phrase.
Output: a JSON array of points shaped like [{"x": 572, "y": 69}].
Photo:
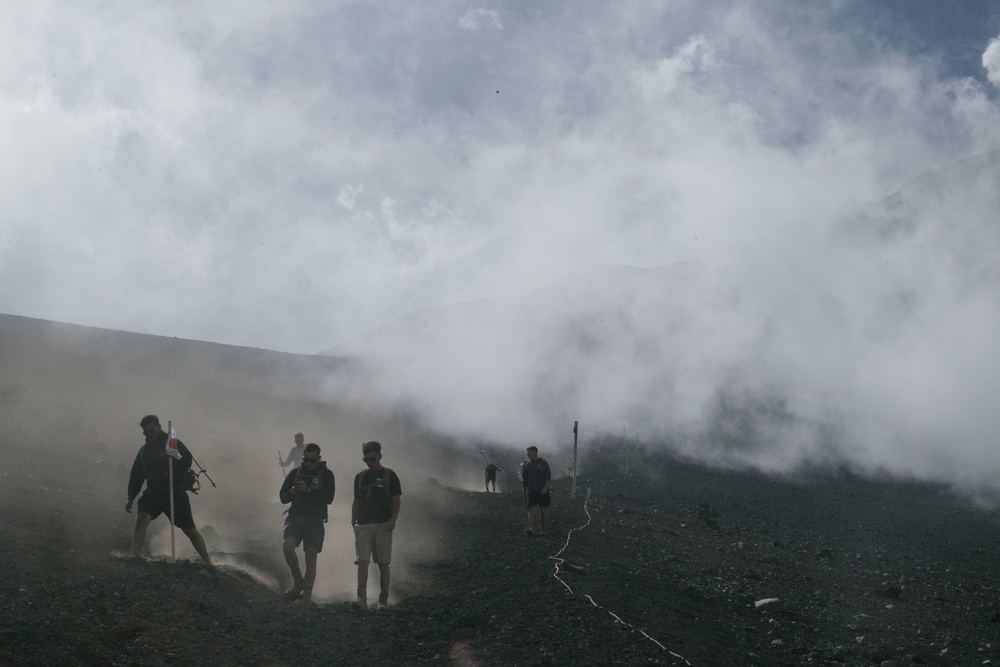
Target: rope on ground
[{"x": 559, "y": 561}]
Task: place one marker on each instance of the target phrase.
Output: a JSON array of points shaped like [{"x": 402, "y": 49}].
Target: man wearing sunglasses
[
  {"x": 150, "y": 466},
  {"x": 373, "y": 515},
  {"x": 310, "y": 489}
]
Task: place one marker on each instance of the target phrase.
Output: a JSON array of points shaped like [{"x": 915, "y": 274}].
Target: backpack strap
[{"x": 386, "y": 478}]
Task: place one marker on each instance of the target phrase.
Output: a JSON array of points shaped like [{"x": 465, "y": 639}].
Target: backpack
[{"x": 191, "y": 481}]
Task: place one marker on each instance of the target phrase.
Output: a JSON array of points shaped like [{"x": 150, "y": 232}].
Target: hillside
[{"x": 662, "y": 567}]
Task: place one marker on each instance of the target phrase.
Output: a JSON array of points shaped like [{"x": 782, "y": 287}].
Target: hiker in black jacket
[
  {"x": 310, "y": 489},
  {"x": 150, "y": 466}
]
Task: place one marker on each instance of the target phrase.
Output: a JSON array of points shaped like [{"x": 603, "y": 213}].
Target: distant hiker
[
  {"x": 295, "y": 455},
  {"x": 150, "y": 466},
  {"x": 535, "y": 476},
  {"x": 373, "y": 515},
  {"x": 491, "y": 476},
  {"x": 310, "y": 489}
]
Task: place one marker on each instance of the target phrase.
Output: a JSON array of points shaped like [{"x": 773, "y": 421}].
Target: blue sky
[{"x": 291, "y": 176}]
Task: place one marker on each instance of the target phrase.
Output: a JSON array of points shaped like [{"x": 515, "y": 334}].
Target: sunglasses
[
  {"x": 369, "y": 459},
  {"x": 304, "y": 460},
  {"x": 148, "y": 431}
]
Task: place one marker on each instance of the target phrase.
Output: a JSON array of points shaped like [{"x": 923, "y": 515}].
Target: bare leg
[
  {"x": 199, "y": 544},
  {"x": 310, "y": 574},
  {"x": 533, "y": 518},
  {"x": 383, "y": 580},
  {"x": 288, "y": 548},
  {"x": 139, "y": 535},
  {"x": 363, "y": 581}
]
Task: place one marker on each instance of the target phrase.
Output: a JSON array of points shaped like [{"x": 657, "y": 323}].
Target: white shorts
[{"x": 373, "y": 542}]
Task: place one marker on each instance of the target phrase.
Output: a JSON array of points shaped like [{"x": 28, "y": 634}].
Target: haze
[{"x": 294, "y": 178}]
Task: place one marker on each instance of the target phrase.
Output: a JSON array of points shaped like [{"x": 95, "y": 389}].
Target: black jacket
[
  {"x": 535, "y": 474},
  {"x": 150, "y": 466},
  {"x": 322, "y": 487}
]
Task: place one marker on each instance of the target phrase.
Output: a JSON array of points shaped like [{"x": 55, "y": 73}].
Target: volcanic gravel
[{"x": 673, "y": 564}]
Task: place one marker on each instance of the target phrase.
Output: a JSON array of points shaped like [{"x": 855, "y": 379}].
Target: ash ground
[{"x": 662, "y": 567}]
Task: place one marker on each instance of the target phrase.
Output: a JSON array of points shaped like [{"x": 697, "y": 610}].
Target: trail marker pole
[
  {"x": 572, "y": 490},
  {"x": 170, "y": 477}
]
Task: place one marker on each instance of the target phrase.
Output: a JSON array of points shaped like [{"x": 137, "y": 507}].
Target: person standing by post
[
  {"x": 535, "y": 477},
  {"x": 151, "y": 467},
  {"x": 491, "y": 476},
  {"x": 294, "y": 454},
  {"x": 310, "y": 489},
  {"x": 373, "y": 516}
]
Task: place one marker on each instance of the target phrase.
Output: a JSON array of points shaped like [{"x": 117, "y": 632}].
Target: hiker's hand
[
  {"x": 392, "y": 524},
  {"x": 128, "y": 507},
  {"x": 300, "y": 487}
]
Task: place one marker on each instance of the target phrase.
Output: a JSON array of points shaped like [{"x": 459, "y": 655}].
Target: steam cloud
[{"x": 292, "y": 178}]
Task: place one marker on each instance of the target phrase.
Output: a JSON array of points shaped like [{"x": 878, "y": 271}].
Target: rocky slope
[{"x": 669, "y": 566}]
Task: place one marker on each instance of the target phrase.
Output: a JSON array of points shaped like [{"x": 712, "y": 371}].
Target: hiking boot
[
  {"x": 381, "y": 606},
  {"x": 529, "y": 533},
  {"x": 295, "y": 592},
  {"x": 361, "y": 604},
  {"x": 307, "y": 595}
]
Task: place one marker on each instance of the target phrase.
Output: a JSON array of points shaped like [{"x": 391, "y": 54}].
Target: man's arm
[
  {"x": 394, "y": 506},
  {"x": 329, "y": 486},
  {"x": 286, "y": 495},
  {"x": 354, "y": 505},
  {"x": 135, "y": 479}
]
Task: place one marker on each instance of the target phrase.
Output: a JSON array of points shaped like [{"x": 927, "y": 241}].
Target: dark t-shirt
[
  {"x": 535, "y": 474},
  {"x": 374, "y": 494}
]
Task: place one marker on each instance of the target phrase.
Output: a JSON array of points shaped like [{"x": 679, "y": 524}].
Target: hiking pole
[
  {"x": 202, "y": 471},
  {"x": 283, "y": 475},
  {"x": 484, "y": 456}
]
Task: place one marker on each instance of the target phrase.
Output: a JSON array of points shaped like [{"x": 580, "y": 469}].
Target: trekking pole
[{"x": 201, "y": 470}]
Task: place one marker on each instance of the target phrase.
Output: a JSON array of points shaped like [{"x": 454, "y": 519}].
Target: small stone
[{"x": 768, "y": 604}]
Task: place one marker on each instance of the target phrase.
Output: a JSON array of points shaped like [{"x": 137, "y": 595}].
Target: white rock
[{"x": 768, "y": 604}]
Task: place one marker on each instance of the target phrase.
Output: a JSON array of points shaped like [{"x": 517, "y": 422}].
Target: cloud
[
  {"x": 991, "y": 61},
  {"x": 348, "y": 164},
  {"x": 474, "y": 19}
]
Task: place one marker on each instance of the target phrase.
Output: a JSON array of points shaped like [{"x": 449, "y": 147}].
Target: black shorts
[
  {"x": 491, "y": 477},
  {"x": 536, "y": 498},
  {"x": 155, "y": 502},
  {"x": 306, "y": 530}
]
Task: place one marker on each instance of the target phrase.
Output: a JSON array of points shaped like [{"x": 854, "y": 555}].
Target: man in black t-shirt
[
  {"x": 373, "y": 515},
  {"x": 535, "y": 477}
]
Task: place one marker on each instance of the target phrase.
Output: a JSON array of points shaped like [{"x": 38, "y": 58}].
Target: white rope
[{"x": 559, "y": 561}]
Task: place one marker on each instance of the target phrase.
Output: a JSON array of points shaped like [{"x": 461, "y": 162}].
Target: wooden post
[
  {"x": 572, "y": 491},
  {"x": 170, "y": 476}
]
